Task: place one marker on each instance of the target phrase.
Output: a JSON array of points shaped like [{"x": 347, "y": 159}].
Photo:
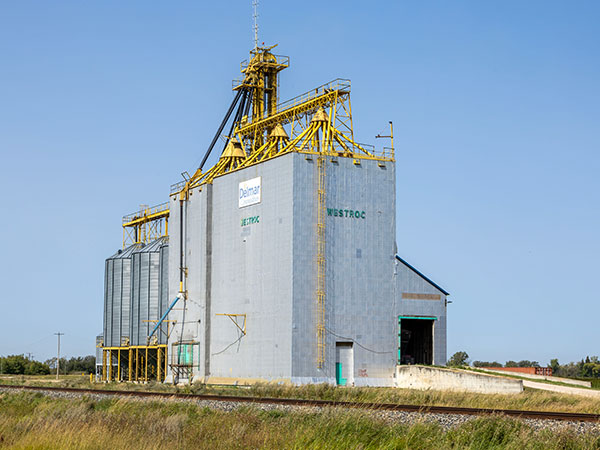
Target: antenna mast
[{"x": 255, "y": 16}]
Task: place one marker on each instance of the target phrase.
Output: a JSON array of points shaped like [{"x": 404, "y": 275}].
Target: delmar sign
[{"x": 249, "y": 192}]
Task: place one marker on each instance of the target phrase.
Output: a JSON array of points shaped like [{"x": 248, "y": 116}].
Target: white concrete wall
[
  {"x": 425, "y": 378},
  {"x": 592, "y": 393},
  {"x": 587, "y": 384}
]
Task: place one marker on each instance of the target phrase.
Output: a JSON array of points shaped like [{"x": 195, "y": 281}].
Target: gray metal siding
[
  {"x": 164, "y": 300},
  {"x": 252, "y": 274},
  {"x": 194, "y": 328},
  {"x": 99, "y": 341},
  {"x": 149, "y": 279},
  {"x": 135, "y": 304},
  {"x": 359, "y": 255},
  {"x": 267, "y": 270},
  {"x": 117, "y": 292},
  {"x": 408, "y": 281}
]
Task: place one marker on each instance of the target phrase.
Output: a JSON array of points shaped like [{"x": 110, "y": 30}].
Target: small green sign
[
  {"x": 349, "y": 213},
  {"x": 249, "y": 220}
]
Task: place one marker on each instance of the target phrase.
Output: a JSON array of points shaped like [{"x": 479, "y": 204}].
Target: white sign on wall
[{"x": 249, "y": 193}]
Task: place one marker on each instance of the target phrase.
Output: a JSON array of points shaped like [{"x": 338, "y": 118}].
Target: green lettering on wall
[
  {"x": 349, "y": 213},
  {"x": 249, "y": 220}
]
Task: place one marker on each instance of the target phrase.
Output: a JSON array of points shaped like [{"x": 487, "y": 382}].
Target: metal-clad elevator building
[{"x": 282, "y": 260}]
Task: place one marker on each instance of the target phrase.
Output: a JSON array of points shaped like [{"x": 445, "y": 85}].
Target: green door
[{"x": 338, "y": 375}]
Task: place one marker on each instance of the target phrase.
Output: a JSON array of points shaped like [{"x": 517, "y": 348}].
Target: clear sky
[{"x": 496, "y": 108}]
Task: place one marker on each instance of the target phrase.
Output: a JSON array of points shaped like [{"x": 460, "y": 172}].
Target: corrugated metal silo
[
  {"x": 117, "y": 296},
  {"x": 149, "y": 291},
  {"x": 99, "y": 343}
]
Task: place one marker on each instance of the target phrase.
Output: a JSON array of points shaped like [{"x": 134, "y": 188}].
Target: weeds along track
[{"x": 523, "y": 414}]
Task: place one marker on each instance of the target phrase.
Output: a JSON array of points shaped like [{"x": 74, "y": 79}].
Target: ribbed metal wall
[
  {"x": 164, "y": 290},
  {"x": 149, "y": 290},
  {"x": 117, "y": 296},
  {"x": 99, "y": 341}
]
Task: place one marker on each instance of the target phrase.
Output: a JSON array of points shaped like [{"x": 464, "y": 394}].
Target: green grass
[
  {"x": 530, "y": 399},
  {"x": 32, "y": 421}
]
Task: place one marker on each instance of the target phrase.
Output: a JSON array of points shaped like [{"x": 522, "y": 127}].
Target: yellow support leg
[
  {"x": 110, "y": 365},
  {"x": 166, "y": 361},
  {"x": 146, "y": 366},
  {"x": 118, "y": 377},
  {"x": 158, "y": 364},
  {"x": 103, "y": 365},
  {"x": 137, "y": 361},
  {"x": 130, "y": 365}
]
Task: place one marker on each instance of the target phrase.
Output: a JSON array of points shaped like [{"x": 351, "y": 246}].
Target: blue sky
[{"x": 496, "y": 109}]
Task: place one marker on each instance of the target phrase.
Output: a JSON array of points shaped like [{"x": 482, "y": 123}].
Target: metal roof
[
  {"x": 126, "y": 252},
  {"x": 154, "y": 246},
  {"x": 422, "y": 276}
]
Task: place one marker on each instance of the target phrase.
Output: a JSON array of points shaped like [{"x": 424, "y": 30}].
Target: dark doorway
[{"x": 416, "y": 341}]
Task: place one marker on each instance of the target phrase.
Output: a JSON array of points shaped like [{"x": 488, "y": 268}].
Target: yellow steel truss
[
  {"x": 134, "y": 363},
  {"x": 146, "y": 225},
  {"x": 318, "y": 122},
  {"x": 275, "y": 129}
]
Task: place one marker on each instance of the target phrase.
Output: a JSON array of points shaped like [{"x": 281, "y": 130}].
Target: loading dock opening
[{"x": 415, "y": 340}]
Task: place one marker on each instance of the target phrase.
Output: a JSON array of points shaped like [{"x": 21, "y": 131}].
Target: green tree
[
  {"x": 85, "y": 364},
  {"x": 527, "y": 363},
  {"x": 458, "y": 359},
  {"x": 555, "y": 366},
  {"x": 486, "y": 364},
  {"x": 36, "y": 368},
  {"x": 15, "y": 364}
]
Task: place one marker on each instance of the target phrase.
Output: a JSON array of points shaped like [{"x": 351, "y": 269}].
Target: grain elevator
[{"x": 279, "y": 262}]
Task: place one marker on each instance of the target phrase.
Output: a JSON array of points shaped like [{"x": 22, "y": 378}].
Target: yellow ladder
[{"x": 320, "y": 291}]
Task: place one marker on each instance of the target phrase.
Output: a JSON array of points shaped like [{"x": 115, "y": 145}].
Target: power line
[{"x": 356, "y": 342}]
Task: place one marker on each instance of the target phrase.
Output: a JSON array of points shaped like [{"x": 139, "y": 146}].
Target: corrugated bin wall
[
  {"x": 149, "y": 291},
  {"x": 117, "y": 296},
  {"x": 99, "y": 341}
]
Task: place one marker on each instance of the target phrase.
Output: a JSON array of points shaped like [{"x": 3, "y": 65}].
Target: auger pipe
[
  {"x": 237, "y": 117},
  {"x": 220, "y": 130},
  {"x": 164, "y": 316}
]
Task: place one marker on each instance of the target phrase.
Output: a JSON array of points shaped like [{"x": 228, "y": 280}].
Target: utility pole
[
  {"x": 58, "y": 353},
  {"x": 29, "y": 356}
]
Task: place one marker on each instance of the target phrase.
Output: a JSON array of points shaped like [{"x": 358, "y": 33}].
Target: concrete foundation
[
  {"x": 426, "y": 378},
  {"x": 587, "y": 384}
]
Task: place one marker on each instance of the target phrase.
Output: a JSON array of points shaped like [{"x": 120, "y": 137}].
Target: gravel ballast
[{"x": 446, "y": 421}]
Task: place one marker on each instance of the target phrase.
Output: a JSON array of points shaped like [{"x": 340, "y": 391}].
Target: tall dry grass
[
  {"x": 31, "y": 421},
  {"x": 530, "y": 399}
]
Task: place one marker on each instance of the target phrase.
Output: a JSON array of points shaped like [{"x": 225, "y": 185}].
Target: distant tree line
[
  {"x": 523, "y": 363},
  {"x": 20, "y": 365},
  {"x": 586, "y": 368}
]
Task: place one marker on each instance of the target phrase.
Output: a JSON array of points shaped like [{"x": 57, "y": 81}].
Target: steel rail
[{"x": 427, "y": 409}]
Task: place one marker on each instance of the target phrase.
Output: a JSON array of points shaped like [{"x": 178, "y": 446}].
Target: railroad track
[{"x": 544, "y": 415}]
